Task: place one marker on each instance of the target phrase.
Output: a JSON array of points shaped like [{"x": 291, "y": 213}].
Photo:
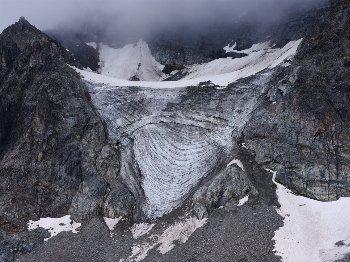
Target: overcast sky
[{"x": 140, "y": 14}]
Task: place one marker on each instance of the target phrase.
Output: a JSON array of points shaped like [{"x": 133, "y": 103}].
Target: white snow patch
[
  {"x": 227, "y": 70},
  {"x": 243, "y": 200},
  {"x": 255, "y": 48},
  {"x": 112, "y": 222},
  {"x": 311, "y": 228},
  {"x": 178, "y": 232},
  {"x": 220, "y": 72},
  {"x": 92, "y": 44},
  {"x": 139, "y": 230},
  {"x": 55, "y": 225},
  {"x": 230, "y": 47},
  {"x": 237, "y": 162},
  {"x": 129, "y": 61}
]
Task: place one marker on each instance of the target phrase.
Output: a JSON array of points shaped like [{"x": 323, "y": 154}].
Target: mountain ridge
[{"x": 198, "y": 172}]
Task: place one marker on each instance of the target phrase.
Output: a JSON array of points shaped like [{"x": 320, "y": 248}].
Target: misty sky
[{"x": 141, "y": 15}]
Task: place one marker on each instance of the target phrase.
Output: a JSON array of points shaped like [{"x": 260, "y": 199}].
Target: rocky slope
[{"x": 54, "y": 157}]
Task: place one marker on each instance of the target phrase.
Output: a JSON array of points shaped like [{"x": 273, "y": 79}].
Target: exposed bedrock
[
  {"x": 302, "y": 128},
  {"x": 231, "y": 184},
  {"x": 54, "y": 153}
]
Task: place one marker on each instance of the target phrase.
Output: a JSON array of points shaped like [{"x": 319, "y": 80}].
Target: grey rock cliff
[
  {"x": 302, "y": 127},
  {"x": 53, "y": 144}
]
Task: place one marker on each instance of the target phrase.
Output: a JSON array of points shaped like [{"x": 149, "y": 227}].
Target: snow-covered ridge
[
  {"x": 131, "y": 62},
  {"x": 220, "y": 72}
]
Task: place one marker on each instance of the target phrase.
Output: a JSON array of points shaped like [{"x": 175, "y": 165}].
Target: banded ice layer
[
  {"x": 174, "y": 139},
  {"x": 173, "y": 159}
]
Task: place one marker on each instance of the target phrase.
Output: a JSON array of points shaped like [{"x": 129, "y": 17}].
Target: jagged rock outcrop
[
  {"x": 54, "y": 156},
  {"x": 231, "y": 184},
  {"x": 302, "y": 128}
]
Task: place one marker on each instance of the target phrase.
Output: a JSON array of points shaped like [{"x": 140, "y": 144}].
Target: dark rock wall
[
  {"x": 51, "y": 137},
  {"x": 302, "y": 128}
]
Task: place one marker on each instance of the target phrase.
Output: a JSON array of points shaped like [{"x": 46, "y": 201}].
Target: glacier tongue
[
  {"x": 172, "y": 140},
  {"x": 173, "y": 159}
]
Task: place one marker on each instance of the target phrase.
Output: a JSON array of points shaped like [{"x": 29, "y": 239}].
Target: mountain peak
[
  {"x": 26, "y": 40},
  {"x": 22, "y": 19},
  {"x": 23, "y": 24}
]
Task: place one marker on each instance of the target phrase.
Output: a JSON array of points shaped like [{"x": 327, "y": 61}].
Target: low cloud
[{"x": 126, "y": 18}]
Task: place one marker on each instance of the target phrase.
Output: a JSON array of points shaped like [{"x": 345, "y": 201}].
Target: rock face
[
  {"x": 186, "y": 47},
  {"x": 230, "y": 184},
  {"x": 53, "y": 152},
  {"x": 302, "y": 127}
]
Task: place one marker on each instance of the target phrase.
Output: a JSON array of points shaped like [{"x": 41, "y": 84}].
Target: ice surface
[
  {"x": 173, "y": 161},
  {"x": 170, "y": 147},
  {"x": 175, "y": 144}
]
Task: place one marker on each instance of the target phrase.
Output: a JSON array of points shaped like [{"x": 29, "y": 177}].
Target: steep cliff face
[
  {"x": 54, "y": 157},
  {"x": 302, "y": 128}
]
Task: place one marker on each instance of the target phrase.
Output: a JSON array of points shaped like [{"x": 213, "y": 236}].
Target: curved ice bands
[{"x": 173, "y": 159}]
